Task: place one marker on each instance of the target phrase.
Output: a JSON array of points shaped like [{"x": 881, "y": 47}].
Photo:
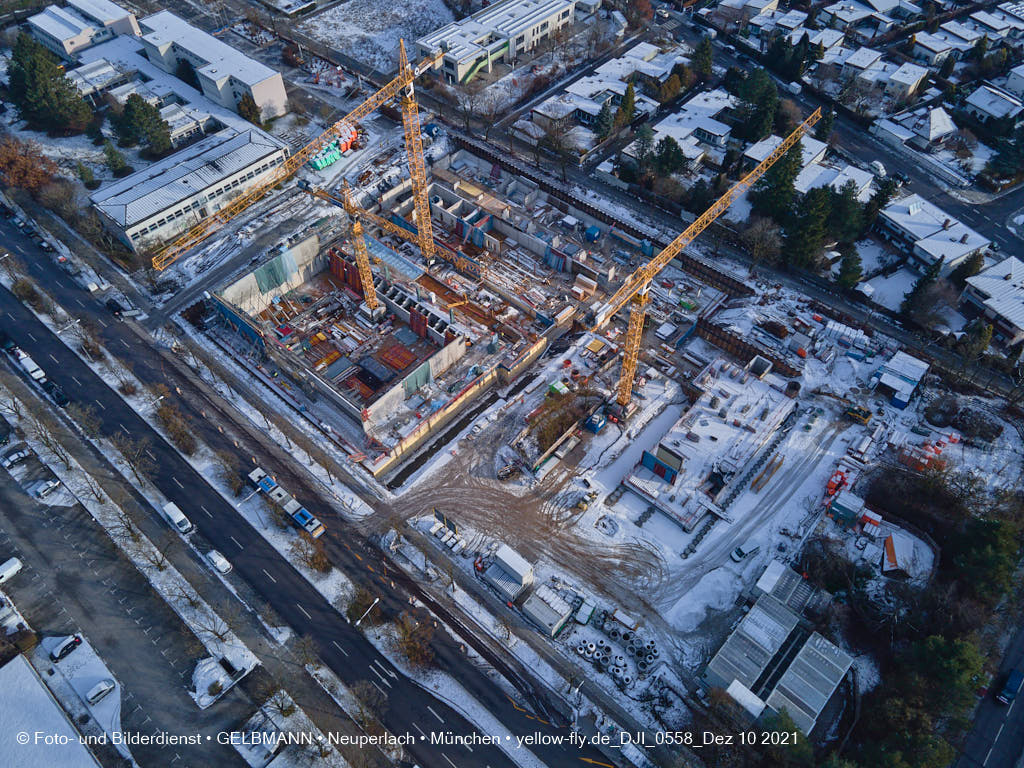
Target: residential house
[
  {"x": 928, "y": 234},
  {"x": 931, "y": 48},
  {"x": 1015, "y": 81},
  {"x": 697, "y": 127},
  {"x": 997, "y": 294},
  {"x": 990, "y": 104}
]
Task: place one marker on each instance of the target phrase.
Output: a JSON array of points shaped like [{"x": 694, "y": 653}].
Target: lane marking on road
[
  {"x": 431, "y": 711},
  {"x": 150, "y": 454},
  {"x": 77, "y": 382},
  {"x": 55, "y": 359},
  {"x": 268, "y": 575},
  {"x": 999, "y": 733},
  {"x": 422, "y": 732},
  {"x": 236, "y": 542},
  {"x": 453, "y": 765},
  {"x": 385, "y": 693},
  {"x": 126, "y": 345},
  {"x": 379, "y": 677},
  {"x": 987, "y": 756},
  {"x": 297, "y": 605},
  {"x": 514, "y": 705},
  {"x": 101, "y": 322},
  {"x": 174, "y": 479},
  {"x": 80, "y": 302},
  {"x": 102, "y": 407},
  {"x": 122, "y": 426},
  {"x": 31, "y": 336},
  {"x": 335, "y": 644}
]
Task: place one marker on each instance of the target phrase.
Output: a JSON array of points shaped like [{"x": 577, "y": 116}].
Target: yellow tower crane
[
  {"x": 401, "y": 86},
  {"x": 635, "y": 288}
]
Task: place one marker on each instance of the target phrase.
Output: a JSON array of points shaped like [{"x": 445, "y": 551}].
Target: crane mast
[
  {"x": 635, "y": 288},
  {"x": 400, "y": 86}
]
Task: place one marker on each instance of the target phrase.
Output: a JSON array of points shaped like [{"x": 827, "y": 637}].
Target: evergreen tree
[
  {"x": 702, "y": 60},
  {"x": 644, "y": 146},
  {"x": 115, "y": 160},
  {"x": 140, "y": 122},
  {"x": 850, "y": 270},
  {"x": 773, "y": 194},
  {"x": 247, "y": 108},
  {"x": 969, "y": 267},
  {"x": 1009, "y": 159},
  {"x": 44, "y": 95},
  {"x": 846, "y": 221},
  {"x": 885, "y": 192},
  {"x": 605, "y": 121},
  {"x": 760, "y": 103},
  {"x": 733, "y": 80},
  {"x": 805, "y": 236},
  {"x": 912, "y": 302},
  {"x": 947, "y": 67},
  {"x": 669, "y": 157},
  {"x": 86, "y": 175},
  {"x": 823, "y": 129}
]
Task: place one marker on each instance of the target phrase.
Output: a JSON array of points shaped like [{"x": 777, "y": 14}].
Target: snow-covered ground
[
  {"x": 889, "y": 290},
  {"x": 369, "y": 30}
]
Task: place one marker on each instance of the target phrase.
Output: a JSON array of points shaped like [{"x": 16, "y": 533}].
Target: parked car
[
  {"x": 100, "y": 690},
  {"x": 15, "y": 458},
  {"x": 43, "y": 488},
  {"x": 742, "y": 552},
  {"x": 218, "y": 561},
  {"x": 115, "y": 307},
  {"x": 1011, "y": 687},
  {"x": 66, "y": 646},
  {"x": 57, "y": 394},
  {"x": 9, "y": 568}
]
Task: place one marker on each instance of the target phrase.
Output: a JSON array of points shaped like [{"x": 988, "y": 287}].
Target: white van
[
  {"x": 177, "y": 518},
  {"x": 9, "y": 568},
  {"x": 30, "y": 366}
]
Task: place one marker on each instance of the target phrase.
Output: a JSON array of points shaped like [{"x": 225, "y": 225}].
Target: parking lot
[{"x": 75, "y": 579}]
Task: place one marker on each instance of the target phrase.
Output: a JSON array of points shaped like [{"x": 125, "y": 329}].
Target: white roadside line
[{"x": 304, "y": 611}]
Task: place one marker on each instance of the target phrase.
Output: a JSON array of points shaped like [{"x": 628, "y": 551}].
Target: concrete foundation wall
[{"x": 245, "y": 293}]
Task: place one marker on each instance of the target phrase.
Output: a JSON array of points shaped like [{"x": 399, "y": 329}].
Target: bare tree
[
  {"x": 122, "y": 528},
  {"x": 86, "y": 417},
  {"x": 370, "y": 700},
  {"x": 414, "y": 638},
  {"x": 44, "y": 428},
  {"x": 154, "y": 553},
  {"x": 231, "y": 471},
  {"x": 762, "y": 240},
  {"x": 136, "y": 454},
  {"x": 305, "y": 648},
  {"x": 281, "y": 704},
  {"x": 504, "y": 627},
  {"x": 311, "y": 553},
  {"x": 186, "y": 594},
  {"x": 122, "y": 373},
  {"x": 13, "y": 267},
  {"x": 87, "y": 485},
  {"x": 11, "y": 406},
  {"x": 209, "y": 624}
]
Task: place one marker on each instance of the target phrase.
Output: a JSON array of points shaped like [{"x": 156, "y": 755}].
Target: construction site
[{"x": 629, "y": 423}]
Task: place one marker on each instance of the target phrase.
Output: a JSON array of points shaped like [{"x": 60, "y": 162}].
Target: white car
[
  {"x": 218, "y": 561},
  {"x": 476, "y": 430},
  {"x": 15, "y": 458},
  {"x": 100, "y": 690},
  {"x": 44, "y": 488}
]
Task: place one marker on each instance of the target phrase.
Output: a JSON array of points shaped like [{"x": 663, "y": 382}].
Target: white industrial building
[
  {"x": 509, "y": 573},
  {"x": 502, "y": 31},
  {"x": 225, "y": 74},
  {"x": 171, "y": 195},
  {"x": 81, "y": 24},
  {"x": 547, "y": 609},
  {"x": 29, "y": 707},
  {"x": 997, "y": 294},
  {"x": 927, "y": 234}
]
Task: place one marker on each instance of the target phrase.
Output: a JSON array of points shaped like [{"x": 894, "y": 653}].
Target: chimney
[
  {"x": 947, "y": 224},
  {"x": 963, "y": 239}
]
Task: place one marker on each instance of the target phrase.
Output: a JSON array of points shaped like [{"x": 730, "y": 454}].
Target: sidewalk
[{"x": 278, "y": 661}]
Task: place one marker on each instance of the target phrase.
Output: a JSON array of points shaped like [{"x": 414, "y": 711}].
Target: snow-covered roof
[
  {"x": 135, "y": 198},
  {"x": 909, "y": 74},
  {"x": 849, "y": 12},
  {"x": 59, "y": 23},
  {"x": 999, "y": 24},
  {"x": 930, "y": 123},
  {"x": 965, "y": 33},
  {"x": 1001, "y": 288},
  {"x": 103, "y": 11},
  {"x": 478, "y": 33},
  {"x": 514, "y": 563},
  {"x": 827, "y": 38},
  {"x": 747, "y": 651},
  {"x": 28, "y": 706},
  {"x": 931, "y": 42},
  {"x": 810, "y": 149},
  {"x": 934, "y": 232},
  {"x": 906, "y": 367},
  {"x": 863, "y": 58},
  {"x": 810, "y": 680},
  {"x": 815, "y": 176},
  {"x": 94, "y": 76},
  {"x": 164, "y": 28},
  {"x": 995, "y": 101}
]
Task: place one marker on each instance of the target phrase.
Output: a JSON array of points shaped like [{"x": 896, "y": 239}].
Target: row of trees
[{"x": 42, "y": 92}]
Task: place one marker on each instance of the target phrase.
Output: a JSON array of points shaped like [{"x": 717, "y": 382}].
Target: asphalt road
[
  {"x": 76, "y": 580},
  {"x": 996, "y": 739},
  {"x": 342, "y": 648}
]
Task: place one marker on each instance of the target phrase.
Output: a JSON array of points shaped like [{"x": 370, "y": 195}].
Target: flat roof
[
  {"x": 135, "y": 198},
  {"x": 479, "y": 32},
  {"x": 27, "y": 705},
  {"x": 222, "y": 60},
  {"x": 1002, "y": 287},
  {"x": 103, "y": 11}
]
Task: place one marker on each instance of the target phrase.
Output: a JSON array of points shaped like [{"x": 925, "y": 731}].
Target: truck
[
  {"x": 794, "y": 88},
  {"x": 31, "y": 367},
  {"x": 858, "y": 414},
  {"x": 297, "y": 513}
]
